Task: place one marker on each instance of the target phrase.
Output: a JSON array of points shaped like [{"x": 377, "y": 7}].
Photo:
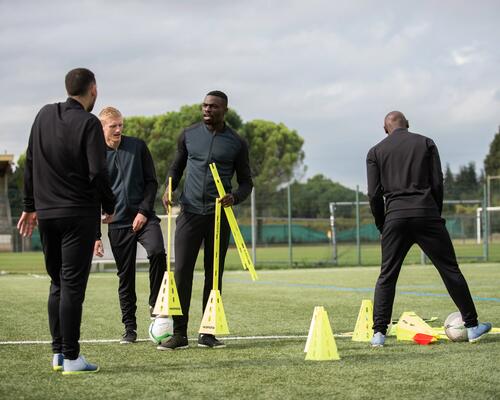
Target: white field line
[
  {"x": 229, "y": 338},
  {"x": 235, "y": 338}
]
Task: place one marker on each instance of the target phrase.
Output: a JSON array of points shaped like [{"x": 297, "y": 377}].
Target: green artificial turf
[{"x": 280, "y": 303}]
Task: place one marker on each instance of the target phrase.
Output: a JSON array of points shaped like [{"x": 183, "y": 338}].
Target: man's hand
[
  {"x": 107, "y": 218},
  {"x": 227, "y": 200},
  {"x": 98, "y": 248},
  {"x": 139, "y": 221},
  {"x": 27, "y": 223},
  {"x": 165, "y": 200}
]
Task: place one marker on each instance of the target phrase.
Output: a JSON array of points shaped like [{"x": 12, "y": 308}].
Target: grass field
[{"x": 280, "y": 303}]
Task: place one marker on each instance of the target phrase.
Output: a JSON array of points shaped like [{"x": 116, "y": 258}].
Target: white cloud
[{"x": 330, "y": 70}]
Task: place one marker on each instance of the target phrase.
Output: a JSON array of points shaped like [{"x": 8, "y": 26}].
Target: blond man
[{"x": 133, "y": 181}]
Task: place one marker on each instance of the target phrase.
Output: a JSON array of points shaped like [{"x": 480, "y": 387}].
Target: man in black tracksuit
[
  {"x": 133, "y": 180},
  {"x": 210, "y": 141},
  {"x": 65, "y": 186},
  {"x": 405, "y": 170}
]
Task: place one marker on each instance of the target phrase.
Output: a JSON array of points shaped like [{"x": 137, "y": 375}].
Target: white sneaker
[
  {"x": 57, "y": 362},
  {"x": 78, "y": 366}
]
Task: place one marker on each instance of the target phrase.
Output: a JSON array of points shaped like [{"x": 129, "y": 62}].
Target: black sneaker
[
  {"x": 151, "y": 315},
  {"x": 176, "y": 342},
  {"x": 210, "y": 341},
  {"x": 130, "y": 336}
]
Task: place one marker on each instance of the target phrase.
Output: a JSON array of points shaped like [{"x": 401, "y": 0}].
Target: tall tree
[
  {"x": 275, "y": 155},
  {"x": 492, "y": 161},
  {"x": 449, "y": 184},
  {"x": 312, "y": 199},
  {"x": 15, "y": 189},
  {"x": 160, "y": 132}
]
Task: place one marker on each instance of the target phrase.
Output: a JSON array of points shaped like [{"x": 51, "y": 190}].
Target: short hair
[
  {"x": 218, "y": 93},
  {"x": 78, "y": 81},
  {"x": 109, "y": 112}
]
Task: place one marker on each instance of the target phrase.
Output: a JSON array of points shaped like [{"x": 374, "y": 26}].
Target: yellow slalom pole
[
  {"x": 231, "y": 219},
  {"x": 167, "y": 302},
  {"x": 169, "y": 222},
  {"x": 215, "y": 284}
]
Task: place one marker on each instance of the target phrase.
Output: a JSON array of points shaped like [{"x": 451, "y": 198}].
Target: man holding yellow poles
[{"x": 210, "y": 141}]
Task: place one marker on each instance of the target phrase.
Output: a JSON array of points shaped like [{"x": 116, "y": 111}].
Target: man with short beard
[
  {"x": 210, "y": 141},
  {"x": 65, "y": 186}
]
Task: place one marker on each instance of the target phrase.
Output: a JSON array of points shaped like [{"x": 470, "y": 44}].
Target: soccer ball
[
  {"x": 454, "y": 328},
  {"x": 160, "y": 329}
]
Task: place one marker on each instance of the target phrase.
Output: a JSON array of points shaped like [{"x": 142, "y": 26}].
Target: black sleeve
[
  {"x": 147, "y": 205},
  {"x": 375, "y": 190},
  {"x": 243, "y": 174},
  {"x": 436, "y": 178},
  {"x": 179, "y": 164},
  {"x": 98, "y": 172},
  {"x": 29, "y": 200}
]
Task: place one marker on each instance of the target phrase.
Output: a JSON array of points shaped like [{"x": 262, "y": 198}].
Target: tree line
[{"x": 277, "y": 160}]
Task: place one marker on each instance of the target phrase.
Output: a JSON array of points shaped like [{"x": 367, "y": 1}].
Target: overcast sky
[{"x": 329, "y": 69}]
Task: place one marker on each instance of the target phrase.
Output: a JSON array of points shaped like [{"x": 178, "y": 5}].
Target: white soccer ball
[
  {"x": 454, "y": 328},
  {"x": 160, "y": 329}
]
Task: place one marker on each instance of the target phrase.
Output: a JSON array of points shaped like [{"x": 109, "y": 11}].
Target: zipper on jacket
[{"x": 209, "y": 159}]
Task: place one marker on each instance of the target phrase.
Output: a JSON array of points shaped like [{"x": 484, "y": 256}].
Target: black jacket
[
  {"x": 405, "y": 169},
  {"x": 65, "y": 173},
  {"x": 197, "y": 147},
  {"x": 133, "y": 181}
]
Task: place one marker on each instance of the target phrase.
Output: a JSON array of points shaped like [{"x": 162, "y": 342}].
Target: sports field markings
[
  {"x": 350, "y": 289},
  {"x": 347, "y": 335},
  {"x": 228, "y": 338}
]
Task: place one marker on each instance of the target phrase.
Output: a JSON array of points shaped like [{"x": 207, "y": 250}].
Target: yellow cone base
[
  {"x": 214, "y": 319},
  {"x": 410, "y": 324},
  {"x": 167, "y": 302},
  {"x": 363, "y": 331},
  {"x": 320, "y": 343}
]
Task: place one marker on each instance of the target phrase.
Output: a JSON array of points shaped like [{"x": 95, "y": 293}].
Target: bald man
[{"x": 405, "y": 189}]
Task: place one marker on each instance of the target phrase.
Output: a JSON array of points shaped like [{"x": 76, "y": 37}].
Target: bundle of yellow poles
[{"x": 246, "y": 261}]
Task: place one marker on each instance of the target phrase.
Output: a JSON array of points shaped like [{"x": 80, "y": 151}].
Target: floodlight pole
[
  {"x": 358, "y": 239},
  {"x": 333, "y": 234},
  {"x": 485, "y": 224},
  {"x": 489, "y": 178},
  {"x": 290, "y": 252}
]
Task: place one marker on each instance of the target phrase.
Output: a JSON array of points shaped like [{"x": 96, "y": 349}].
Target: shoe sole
[
  {"x": 80, "y": 372},
  {"x": 58, "y": 368},
  {"x": 171, "y": 349},
  {"x": 223, "y": 346},
  {"x": 377, "y": 345}
]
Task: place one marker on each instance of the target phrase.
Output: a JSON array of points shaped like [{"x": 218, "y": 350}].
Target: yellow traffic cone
[
  {"x": 167, "y": 302},
  {"x": 214, "y": 319},
  {"x": 363, "y": 331},
  {"x": 320, "y": 344},
  {"x": 410, "y": 324}
]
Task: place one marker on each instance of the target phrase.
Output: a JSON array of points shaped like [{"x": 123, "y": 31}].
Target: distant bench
[{"x": 107, "y": 262}]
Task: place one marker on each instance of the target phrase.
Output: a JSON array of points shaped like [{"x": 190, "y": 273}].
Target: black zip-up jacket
[
  {"x": 133, "y": 181},
  {"x": 65, "y": 173},
  {"x": 198, "y": 147},
  {"x": 405, "y": 169}
]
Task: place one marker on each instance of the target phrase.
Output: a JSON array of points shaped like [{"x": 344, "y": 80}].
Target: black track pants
[
  {"x": 124, "y": 246},
  {"x": 191, "y": 231},
  {"x": 68, "y": 244},
  {"x": 433, "y": 238}
]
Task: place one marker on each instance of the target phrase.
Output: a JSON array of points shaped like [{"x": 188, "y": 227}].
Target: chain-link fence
[{"x": 287, "y": 237}]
